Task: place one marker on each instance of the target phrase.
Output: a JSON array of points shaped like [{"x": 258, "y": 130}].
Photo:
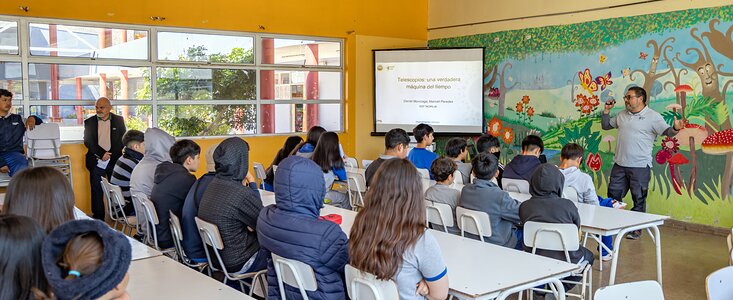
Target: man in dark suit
[{"x": 103, "y": 139}]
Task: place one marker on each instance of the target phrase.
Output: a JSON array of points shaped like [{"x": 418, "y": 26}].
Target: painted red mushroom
[
  {"x": 721, "y": 143},
  {"x": 677, "y": 159},
  {"x": 690, "y": 136},
  {"x": 682, "y": 90}
]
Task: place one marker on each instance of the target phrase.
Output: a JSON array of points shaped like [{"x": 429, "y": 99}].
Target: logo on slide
[{"x": 379, "y": 67}]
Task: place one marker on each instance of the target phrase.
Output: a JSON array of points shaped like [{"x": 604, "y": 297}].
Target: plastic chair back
[
  {"x": 351, "y": 162},
  {"x": 439, "y": 214},
  {"x": 44, "y": 141},
  {"x": 365, "y": 286},
  {"x": 570, "y": 193},
  {"x": 515, "y": 185},
  {"x": 640, "y": 290},
  {"x": 213, "y": 231},
  {"x": 457, "y": 177},
  {"x": 552, "y": 236},
  {"x": 474, "y": 222},
  {"x": 365, "y": 163},
  {"x": 719, "y": 284},
  {"x": 259, "y": 173},
  {"x": 424, "y": 173},
  {"x": 294, "y": 273}
]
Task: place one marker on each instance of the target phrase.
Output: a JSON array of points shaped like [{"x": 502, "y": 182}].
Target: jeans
[
  {"x": 606, "y": 239},
  {"x": 625, "y": 179},
  {"x": 95, "y": 178},
  {"x": 16, "y": 161}
]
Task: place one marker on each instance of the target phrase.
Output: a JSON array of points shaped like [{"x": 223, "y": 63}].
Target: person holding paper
[{"x": 103, "y": 138}]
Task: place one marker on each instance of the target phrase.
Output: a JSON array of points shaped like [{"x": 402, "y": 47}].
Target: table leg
[
  {"x": 553, "y": 281},
  {"x": 657, "y": 239},
  {"x": 658, "y": 242}
]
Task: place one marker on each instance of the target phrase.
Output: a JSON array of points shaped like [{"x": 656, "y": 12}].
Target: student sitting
[
  {"x": 522, "y": 166},
  {"x": 21, "y": 272},
  {"x": 191, "y": 239},
  {"x": 389, "y": 239},
  {"x": 484, "y": 195},
  {"x": 420, "y": 156},
  {"x": 134, "y": 141},
  {"x": 43, "y": 194},
  {"x": 396, "y": 142},
  {"x": 290, "y": 143},
  {"x": 305, "y": 149},
  {"x": 171, "y": 184},
  {"x": 548, "y": 206},
  {"x": 490, "y": 144},
  {"x": 234, "y": 207},
  {"x": 443, "y": 169},
  {"x": 87, "y": 259},
  {"x": 157, "y": 146},
  {"x": 290, "y": 228},
  {"x": 328, "y": 158},
  {"x": 571, "y": 157},
  {"x": 12, "y": 131},
  {"x": 456, "y": 150}
]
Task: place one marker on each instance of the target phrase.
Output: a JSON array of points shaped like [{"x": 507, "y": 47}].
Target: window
[
  {"x": 8, "y": 37},
  {"x": 180, "y": 46},
  {"x": 89, "y": 42},
  {"x": 188, "y": 82}
]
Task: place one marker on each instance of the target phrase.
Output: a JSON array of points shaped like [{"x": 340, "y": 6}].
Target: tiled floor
[{"x": 687, "y": 259}]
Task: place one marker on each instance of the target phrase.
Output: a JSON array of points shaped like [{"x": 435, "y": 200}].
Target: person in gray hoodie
[
  {"x": 484, "y": 195},
  {"x": 157, "y": 145}
]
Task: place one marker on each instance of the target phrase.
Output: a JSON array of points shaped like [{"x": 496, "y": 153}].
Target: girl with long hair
[
  {"x": 306, "y": 148},
  {"x": 328, "y": 157},
  {"x": 389, "y": 238},
  {"x": 290, "y": 143},
  {"x": 20, "y": 263},
  {"x": 42, "y": 193}
]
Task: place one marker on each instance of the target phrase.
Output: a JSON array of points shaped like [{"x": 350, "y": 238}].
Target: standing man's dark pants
[
  {"x": 95, "y": 178},
  {"x": 624, "y": 179}
]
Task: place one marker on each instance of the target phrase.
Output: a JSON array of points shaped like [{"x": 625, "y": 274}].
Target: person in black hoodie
[
  {"x": 234, "y": 207},
  {"x": 522, "y": 166},
  {"x": 171, "y": 184},
  {"x": 548, "y": 206}
]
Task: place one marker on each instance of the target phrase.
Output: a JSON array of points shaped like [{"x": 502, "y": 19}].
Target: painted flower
[
  {"x": 586, "y": 109},
  {"x": 670, "y": 144},
  {"x": 593, "y": 101},
  {"x": 507, "y": 135},
  {"x": 494, "y": 127},
  {"x": 520, "y": 107},
  {"x": 530, "y": 111},
  {"x": 594, "y": 162},
  {"x": 525, "y": 99},
  {"x": 580, "y": 100}
]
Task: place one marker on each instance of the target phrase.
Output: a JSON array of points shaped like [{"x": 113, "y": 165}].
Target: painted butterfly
[
  {"x": 604, "y": 81},
  {"x": 587, "y": 82}
]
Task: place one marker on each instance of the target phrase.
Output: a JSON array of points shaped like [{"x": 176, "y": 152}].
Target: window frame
[{"x": 152, "y": 62}]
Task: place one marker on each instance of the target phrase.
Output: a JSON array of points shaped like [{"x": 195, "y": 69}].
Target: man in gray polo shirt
[{"x": 638, "y": 128}]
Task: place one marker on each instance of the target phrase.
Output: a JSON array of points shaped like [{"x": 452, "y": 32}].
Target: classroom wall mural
[{"x": 552, "y": 81}]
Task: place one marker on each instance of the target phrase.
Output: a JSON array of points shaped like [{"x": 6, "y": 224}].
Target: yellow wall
[
  {"x": 452, "y": 18},
  {"x": 382, "y": 23}
]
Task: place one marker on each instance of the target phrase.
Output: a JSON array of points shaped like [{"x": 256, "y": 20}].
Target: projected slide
[{"x": 442, "y": 88}]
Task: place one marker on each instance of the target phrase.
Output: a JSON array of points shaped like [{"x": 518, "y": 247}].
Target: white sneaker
[
  {"x": 619, "y": 204},
  {"x": 607, "y": 257}
]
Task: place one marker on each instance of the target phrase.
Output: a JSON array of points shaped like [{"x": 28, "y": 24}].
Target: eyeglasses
[{"x": 628, "y": 97}]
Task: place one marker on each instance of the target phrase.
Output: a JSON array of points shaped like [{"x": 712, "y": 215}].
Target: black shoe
[{"x": 634, "y": 235}]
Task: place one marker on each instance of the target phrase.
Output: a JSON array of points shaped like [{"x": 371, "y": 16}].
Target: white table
[
  {"x": 478, "y": 270},
  {"x": 163, "y": 278},
  {"x": 599, "y": 221},
  {"x": 142, "y": 251}
]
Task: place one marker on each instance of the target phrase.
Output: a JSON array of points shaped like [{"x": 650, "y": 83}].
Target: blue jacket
[
  {"x": 521, "y": 167},
  {"x": 291, "y": 229},
  {"x": 191, "y": 240}
]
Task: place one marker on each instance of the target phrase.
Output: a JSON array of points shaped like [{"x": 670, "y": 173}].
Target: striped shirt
[{"x": 123, "y": 169}]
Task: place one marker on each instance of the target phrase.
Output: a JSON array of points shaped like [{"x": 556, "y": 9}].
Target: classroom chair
[
  {"x": 357, "y": 187},
  {"x": 365, "y": 286},
  {"x": 560, "y": 237},
  {"x": 351, "y": 162},
  {"x": 177, "y": 233},
  {"x": 259, "y": 174},
  {"x": 4, "y": 179},
  {"x": 211, "y": 237},
  {"x": 458, "y": 177},
  {"x": 274, "y": 169},
  {"x": 570, "y": 193},
  {"x": 365, "y": 163},
  {"x": 515, "y": 185},
  {"x": 424, "y": 173},
  {"x": 151, "y": 218},
  {"x": 474, "y": 222},
  {"x": 116, "y": 201},
  {"x": 140, "y": 214},
  {"x": 44, "y": 148},
  {"x": 294, "y": 273},
  {"x": 439, "y": 214},
  {"x": 639, "y": 290},
  {"x": 719, "y": 284}
]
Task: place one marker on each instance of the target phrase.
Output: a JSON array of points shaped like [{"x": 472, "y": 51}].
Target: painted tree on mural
[
  {"x": 503, "y": 88},
  {"x": 651, "y": 76}
]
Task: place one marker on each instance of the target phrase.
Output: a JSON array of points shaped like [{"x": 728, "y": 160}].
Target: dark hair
[
  {"x": 396, "y": 137},
  {"x": 571, "y": 151},
  {"x": 486, "y": 142},
  {"x": 455, "y": 146},
  {"x": 312, "y": 137},
  {"x": 392, "y": 221},
  {"x": 5, "y": 93},
  {"x": 327, "y": 154},
  {"x": 183, "y": 149},
  {"x": 421, "y": 131},
  {"x": 532, "y": 142},
  {"x": 485, "y": 165},
  {"x": 290, "y": 143},
  {"x": 640, "y": 92},
  {"x": 443, "y": 167},
  {"x": 42, "y": 193},
  {"x": 21, "y": 270},
  {"x": 133, "y": 136}
]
